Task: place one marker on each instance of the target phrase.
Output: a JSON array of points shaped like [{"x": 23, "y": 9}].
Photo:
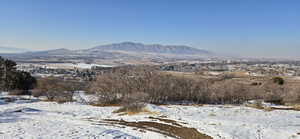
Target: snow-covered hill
[{"x": 30, "y": 118}]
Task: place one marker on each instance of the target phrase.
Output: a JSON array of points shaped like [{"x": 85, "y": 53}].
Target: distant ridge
[
  {"x": 123, "y": 50},
  {"x": 150, "y": 48}
]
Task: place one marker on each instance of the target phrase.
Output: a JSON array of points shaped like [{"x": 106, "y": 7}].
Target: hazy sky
[{"x": 245, "y": 27}]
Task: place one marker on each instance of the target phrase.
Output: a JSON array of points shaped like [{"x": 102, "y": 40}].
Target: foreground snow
[
  {"x": 36, "y": 119},
  {"x": 51, "y": 120}
]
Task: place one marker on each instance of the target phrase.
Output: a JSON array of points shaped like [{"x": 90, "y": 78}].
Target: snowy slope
[
  {"x": 31, "y": 119},
  {"x": 238, "y": 122},
  {"x": 49, "y": 120}
]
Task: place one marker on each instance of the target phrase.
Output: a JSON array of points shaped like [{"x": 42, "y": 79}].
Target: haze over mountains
[
  {"x": 11, "y": 50},
  {"x": 152, "y": 48},
  {"x": 124, "y": 50}
]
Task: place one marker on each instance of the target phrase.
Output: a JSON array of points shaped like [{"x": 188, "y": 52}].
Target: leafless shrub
[
  {"x": 56, "y": 90},
  {"x": 292, "y": 95},
  {"x": 157, "y": 87},
  {"x": 272, "y": 92},
  {"x": 124, "y": 86}
]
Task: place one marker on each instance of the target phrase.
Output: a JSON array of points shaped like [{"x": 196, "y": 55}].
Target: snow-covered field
[{"x": 37, "y": 119}]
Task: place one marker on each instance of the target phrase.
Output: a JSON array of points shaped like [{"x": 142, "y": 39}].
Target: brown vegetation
[
  {"x": 56, "y": 90},
  {"x": 135, "y": 86}
]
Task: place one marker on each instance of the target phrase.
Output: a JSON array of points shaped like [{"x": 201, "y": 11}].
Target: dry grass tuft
[
  {"x": 122, "y": 111},
  {"x": 296, "y": 107},
  {"x": 106, "y": 105},
  {"x": 260, "y": 106},
  {"x": 256, "y": 105}
]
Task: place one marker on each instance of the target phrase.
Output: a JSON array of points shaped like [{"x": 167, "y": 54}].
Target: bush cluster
[
  {"x": 143, "y": 84},
  {"x": 56, "y": 89}
]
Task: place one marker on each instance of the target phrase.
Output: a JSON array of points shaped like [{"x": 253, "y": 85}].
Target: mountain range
[
  {"x": 124, "y": 50},
  {"x": 152, "y": 48}
]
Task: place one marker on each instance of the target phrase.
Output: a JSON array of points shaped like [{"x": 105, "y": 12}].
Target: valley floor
[{"x": 31, "y": 118}]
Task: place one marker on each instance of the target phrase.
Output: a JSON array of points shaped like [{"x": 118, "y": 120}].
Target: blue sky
[{"x": 256, "y": 28}]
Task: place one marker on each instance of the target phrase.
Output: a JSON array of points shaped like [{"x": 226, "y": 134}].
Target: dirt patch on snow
[
  {"x": 171, "y": 129},
  {"x": 166, "y": 121},
  {"x": 292, "y": 108}
]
